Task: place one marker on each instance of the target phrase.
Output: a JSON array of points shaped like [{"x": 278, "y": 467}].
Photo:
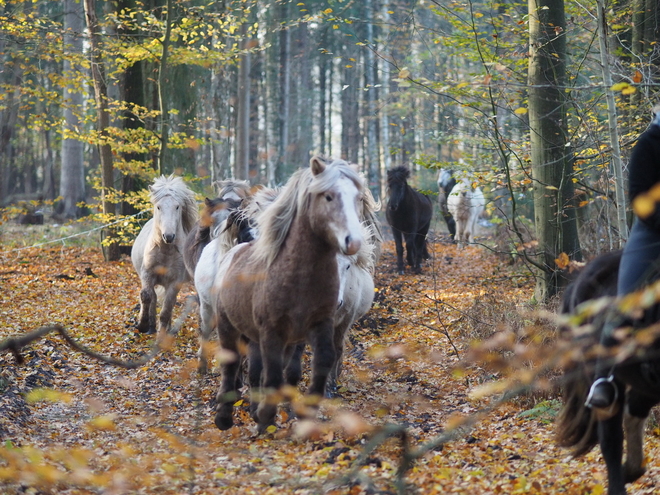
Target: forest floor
[{"x": 406, "y": 367}]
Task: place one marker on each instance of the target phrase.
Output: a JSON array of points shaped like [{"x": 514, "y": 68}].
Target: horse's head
[
  {"x": 336, "y": 192},
  {"x": 217, "y": 210},
  {"x": 167, "y": 217},
  {"x": 175, "y": 210},
  {"x": 396, "y": 184},
  {"x": 444, "y": 177}
]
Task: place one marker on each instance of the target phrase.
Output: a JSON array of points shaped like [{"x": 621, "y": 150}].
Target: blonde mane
[
  {"x": 239, "y": 188},
  {"x": 176, "y": 188},
  {"x": 275, "y": 221}
]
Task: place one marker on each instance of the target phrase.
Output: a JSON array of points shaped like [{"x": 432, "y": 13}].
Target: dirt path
[{"x": 150, "y": 430}]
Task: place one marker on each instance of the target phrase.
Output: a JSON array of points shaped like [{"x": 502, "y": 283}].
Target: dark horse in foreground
[
  {"x": 637, "y": 376},
  {"x": 409, "y": 214}
]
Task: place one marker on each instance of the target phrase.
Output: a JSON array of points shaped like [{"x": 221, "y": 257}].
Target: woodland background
[{"x": 538, "y": 102}]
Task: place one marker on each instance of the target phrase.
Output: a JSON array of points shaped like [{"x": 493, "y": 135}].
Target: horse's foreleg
[
  {"x": 293, "y": 369},
  {"x": 227, "y": 393},
  {"x": 255, "y": 368},
  {"x": 324, "y": 356},
  {"x": 610, "y": 435},
  {"x": 205, "y": 328},
  {"x": 165, "y": 318},
  {"x": 272, "y": 354},
  {"x": 411, "y": 250},
  {"x": 638, "y": 409},
  {"x": 634, "y": 467},
  {"x": 339, "y": 335},
  {"x": 398, "y": 242},
  {"x": 147, "y": 319}
]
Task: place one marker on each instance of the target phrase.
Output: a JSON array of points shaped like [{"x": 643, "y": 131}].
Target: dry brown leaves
[{"x": 150, "y": 430}]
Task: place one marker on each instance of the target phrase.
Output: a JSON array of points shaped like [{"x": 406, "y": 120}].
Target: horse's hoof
[
  {"x": 401, "y": 272},
  {"x": 223, "y": 422},
  {"x": 631, "y": 474},
  {"x": 253, "y": 412}
]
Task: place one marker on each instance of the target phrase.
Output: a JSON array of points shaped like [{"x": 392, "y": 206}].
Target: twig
[{"x": 15, "y": 344}]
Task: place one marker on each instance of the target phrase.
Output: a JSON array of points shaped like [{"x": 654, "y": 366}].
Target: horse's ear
[
  {"x": 317, "y": 165},
  {"x": 208, "y": 202},
  {"x": 151, "y": 188}
]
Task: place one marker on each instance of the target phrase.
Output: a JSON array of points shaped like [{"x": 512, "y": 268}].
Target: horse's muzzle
[{"x": 169, "y": 238}]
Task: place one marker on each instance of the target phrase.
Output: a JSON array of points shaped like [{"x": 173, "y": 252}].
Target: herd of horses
[
  {"x": 278, "y": 269},
  {"x": 274, "y": 270}
]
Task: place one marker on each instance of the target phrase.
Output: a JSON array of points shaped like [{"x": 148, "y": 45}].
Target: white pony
[
  {"x": 466, "y": 204},
  {"x": 156, "y": 253}
]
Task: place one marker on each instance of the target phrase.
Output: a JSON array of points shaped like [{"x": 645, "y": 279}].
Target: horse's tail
[{"x": 576, "y": 424}]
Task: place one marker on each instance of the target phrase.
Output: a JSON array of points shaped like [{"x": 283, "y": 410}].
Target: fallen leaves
[{"x": 151, "y": 429}]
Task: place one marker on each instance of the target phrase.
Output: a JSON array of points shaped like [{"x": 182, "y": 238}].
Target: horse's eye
[
  {"x": 158, "y": 207},
  {"x": 328, "y": 197}
]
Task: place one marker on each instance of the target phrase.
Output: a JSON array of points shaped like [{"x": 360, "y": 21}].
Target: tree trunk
[
  {"x": 111, "y": 253},
  {"x": 384, "y": 95},
  {"x": 72, "y": 173},
  {"x": 551, "y": 155},
  {"x": 373, "y": 162},
  {"x": 612, "y": 125},
  {"x": 242, "y": 165},
  {"x": 133, "y": 95},
  {"x": 162, "y": 90},
  {"x": 350, "y": 130},
  {"x": 285, "y": 86}
]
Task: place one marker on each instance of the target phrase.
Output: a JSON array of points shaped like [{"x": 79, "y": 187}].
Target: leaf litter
[{"x": 72, "y": 425}]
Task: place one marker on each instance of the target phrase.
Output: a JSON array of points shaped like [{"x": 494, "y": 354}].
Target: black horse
[
  {"x": 409, "y": 214},
  {"x": 637, "y": 378}
]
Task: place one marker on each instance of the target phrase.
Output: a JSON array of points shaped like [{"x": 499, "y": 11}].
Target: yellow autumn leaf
[
  {"x": 105, "y": 422},
  {"x": 271, "y": 429},
  {"x": 654, "y": 193},
  {"x": 643, "y": 205},
  {"x": 562, "y": 261},
  {"x": 520, "y": 111},
  {"x": 47, "y": 395},
  {"x": 404, "y": 74},
  {"x": 629, "y": 90},
  {"x": 619, "y": 86}
]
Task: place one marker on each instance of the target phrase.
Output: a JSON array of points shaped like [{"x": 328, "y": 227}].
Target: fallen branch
[{"x": 15, "y": 344}]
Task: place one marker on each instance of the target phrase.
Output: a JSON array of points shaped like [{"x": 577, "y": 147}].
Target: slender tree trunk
[
  {"x": 133, "y": 95},
  {"x": 285, "y": 87},
  {"x": 242, "y": 165},
  {"x": 162, "y": 90},
  {"x": 303, "y": 141},
  {"x": 612, "y": 125},
  {"x": 72, "y": 172},
  {"x": 103, "y": 122},
  {"x": 323, "y": 74},
  {"x": 555, "y": 222},
  {"x": 384, "y": 95},
  {"x": 372, "y": 123},
  {"x": 350, "y": 130}
]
